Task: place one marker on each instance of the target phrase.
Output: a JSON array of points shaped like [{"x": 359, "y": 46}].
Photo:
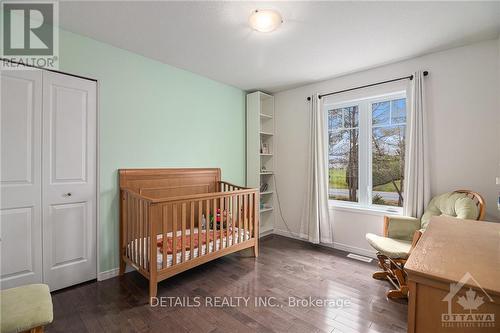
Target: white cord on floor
[{"x": 279, "y": 205}]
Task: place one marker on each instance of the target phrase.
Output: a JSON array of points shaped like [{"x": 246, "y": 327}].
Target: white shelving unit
[{"x": 261, "y": 163}]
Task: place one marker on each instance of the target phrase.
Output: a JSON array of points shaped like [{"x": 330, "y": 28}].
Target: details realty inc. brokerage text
[{"x": 248, "y": 301}]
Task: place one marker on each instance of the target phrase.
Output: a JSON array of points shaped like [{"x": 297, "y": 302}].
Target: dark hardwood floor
[{"x": 285, "y": 268}]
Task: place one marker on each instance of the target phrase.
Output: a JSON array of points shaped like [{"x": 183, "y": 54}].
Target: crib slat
[
  {"x": 244, "y": 217},
  {"x": 242, "y": 220},
  {"x": 123, "y": 223},
  {"x": 134, "y": 228},
  {"x": 143, "y": 235},
  {"x": 207, "y": 226},
  {"x": 129, "y": 228},
  {"x": 226, "y": 207},
  {"x": 221, "y": 243},
  {"x": 240, "y": 206},
  {"x": 141, "y": 240},
  {"x": 233, "y": 222},
  {"x": 164, "y": 237},
  {"x": 247, "y": 220},
  {"x": 200, "y": 226},
  {"x": 245, "y": 211},
  {"x": 222, "y": 220},
  {"x": 228, "y": 219},
  {"x": 146, "y": 235},
  {"x": 191, "y": 231},
  {"x": 250, "y": 212},
  {"x": 137, "y": 226},
  {"x": 253, "y": 208},
  {"x": 183, "y": 233},
  {"x": 147, "y": 240},
  {"x": 156, "y": 215},
  {"x": 139, "y": 233},
  {"x": 247, "y": 216},
  {"x": 132, "y": 220},
  {"x": 174, "y": 235},
  {"x": 214, "y": 212}
]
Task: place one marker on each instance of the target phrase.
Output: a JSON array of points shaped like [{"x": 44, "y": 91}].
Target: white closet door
[
  {"x": 20, "y": 178},
  {"x": 69, "y": 180}
]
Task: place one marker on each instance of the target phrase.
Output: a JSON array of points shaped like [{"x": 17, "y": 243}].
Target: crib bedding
[{"x": 159, "y": 255}]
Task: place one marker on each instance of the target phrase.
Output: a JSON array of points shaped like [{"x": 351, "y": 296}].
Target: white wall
[{"x": 464, "y": 108}]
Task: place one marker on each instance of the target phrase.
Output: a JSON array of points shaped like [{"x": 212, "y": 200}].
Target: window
[
  {"x": 343, "y": 161},
  {"x": 366, "y": 152}
]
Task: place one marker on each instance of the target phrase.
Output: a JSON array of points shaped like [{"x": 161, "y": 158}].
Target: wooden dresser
[{"x": 467, "y": 254}]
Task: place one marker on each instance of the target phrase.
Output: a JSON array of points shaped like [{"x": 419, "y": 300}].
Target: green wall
[{"x": 154, "y": 115}]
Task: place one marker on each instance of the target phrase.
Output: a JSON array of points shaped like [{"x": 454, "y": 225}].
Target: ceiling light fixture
[{"x": 265, "y": 20}]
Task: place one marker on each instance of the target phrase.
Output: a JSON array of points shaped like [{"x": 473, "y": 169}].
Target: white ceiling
[{"x": 318, "y": 40}]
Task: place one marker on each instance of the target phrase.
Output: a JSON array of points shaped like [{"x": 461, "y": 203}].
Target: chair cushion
[
  {"x": 450, "y": 204},
  {"x": 25, "y": 307},
  {"x": 402, "y": 227},
  {"x": 390, "y": 247}
]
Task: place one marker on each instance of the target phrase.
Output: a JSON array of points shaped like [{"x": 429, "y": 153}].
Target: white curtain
[
  {"x": 417, "y": 182},
  {"x": 315, "y": 222}
]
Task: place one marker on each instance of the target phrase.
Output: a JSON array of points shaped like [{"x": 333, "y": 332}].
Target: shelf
[
  {"x": 261, "y": 165},
  {"x": 264, "y": 231}
]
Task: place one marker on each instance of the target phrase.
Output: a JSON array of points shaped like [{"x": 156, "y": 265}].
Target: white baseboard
[
  {"x": 108, "y": 274},
  {"x": 354, "y": 249},
  {"x": 294, "y": 235},
  {"x": 335, "y": 245},
  {"x": 263, "y": 233},
  {"x": 112, "y": 273}
]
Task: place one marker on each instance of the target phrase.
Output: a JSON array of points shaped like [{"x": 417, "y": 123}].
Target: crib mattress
[{"x": 159, "y": 255}]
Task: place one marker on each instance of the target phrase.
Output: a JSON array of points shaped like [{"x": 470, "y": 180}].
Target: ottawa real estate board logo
[
  {"x": 30, "y": 34},
  {"x": 464, "y": 305}
]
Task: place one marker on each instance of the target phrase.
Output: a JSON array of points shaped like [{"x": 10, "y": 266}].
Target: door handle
[{"x": 67, "y": 194}]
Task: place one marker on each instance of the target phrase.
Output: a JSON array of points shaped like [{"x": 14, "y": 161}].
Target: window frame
[{"x": 365, "y": 157}]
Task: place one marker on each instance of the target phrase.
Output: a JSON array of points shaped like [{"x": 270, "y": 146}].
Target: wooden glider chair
[{"x": 401, "y": 234}]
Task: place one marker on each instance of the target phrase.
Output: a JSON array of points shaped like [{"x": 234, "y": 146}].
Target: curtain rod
[{"x": 410, "y": 77}]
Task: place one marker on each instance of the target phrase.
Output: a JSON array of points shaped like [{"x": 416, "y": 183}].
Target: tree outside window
[
  {"x": 385, "y": 125},
  {"x": 343, "y": 131},
  {"x": 388, "y": 152}
]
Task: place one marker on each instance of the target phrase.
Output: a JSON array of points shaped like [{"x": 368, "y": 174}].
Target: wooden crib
[{"x": 200, "y": 217}]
